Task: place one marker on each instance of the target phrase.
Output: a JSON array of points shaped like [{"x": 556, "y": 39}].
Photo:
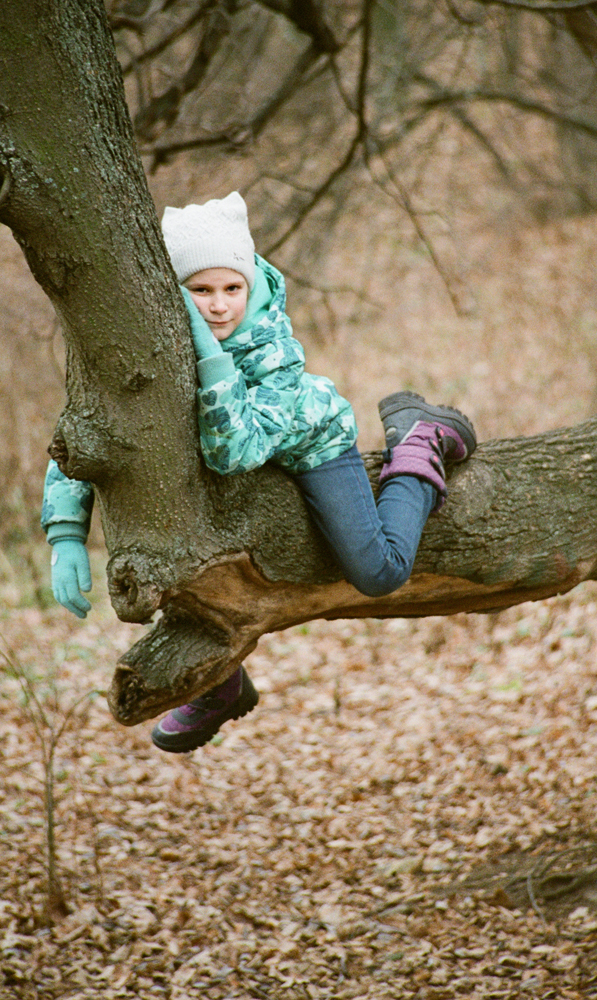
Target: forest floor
[{"x": 410, "y": 811}]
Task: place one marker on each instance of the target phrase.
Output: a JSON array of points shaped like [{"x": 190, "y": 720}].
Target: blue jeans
[{"x": 374, "y": 545}]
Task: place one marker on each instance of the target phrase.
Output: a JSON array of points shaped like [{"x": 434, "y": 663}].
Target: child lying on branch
[{"x": 257, "y": 404}]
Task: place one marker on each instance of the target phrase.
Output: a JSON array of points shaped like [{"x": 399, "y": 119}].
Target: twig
[
  {"x": 358, "y": 139},
  {"x": 166, "y": 41},
  {"x": 402, "y": 198},
  {"x": 318, "y": 195},
  {"x": 531, "y": 892},
  {"x": 541, "y": 5},
  {"x": 40, "y": 721},
  {"x": 484, "y": 141},
  {"x": 330, "y": 289}
]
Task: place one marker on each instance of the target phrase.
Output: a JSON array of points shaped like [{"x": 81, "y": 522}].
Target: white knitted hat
[{"x": 212, "y": 235}]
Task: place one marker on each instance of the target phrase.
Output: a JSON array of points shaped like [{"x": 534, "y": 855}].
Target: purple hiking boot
[
  {"x": 193, "y": 725},
  {"x": 420, "y": 437},
  {"x": 400, "y": 411}
]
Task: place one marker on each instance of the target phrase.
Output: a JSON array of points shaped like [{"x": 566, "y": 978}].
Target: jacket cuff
[
  {"x": 214, "y": 369},
  {"x": 66, "y": 529}
]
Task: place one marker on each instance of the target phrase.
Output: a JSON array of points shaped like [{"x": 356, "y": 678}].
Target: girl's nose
[{"x": 218, "y": 304}]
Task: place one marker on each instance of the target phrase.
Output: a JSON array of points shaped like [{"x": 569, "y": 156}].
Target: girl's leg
[
  {"x": 375, "y": 550},
  {"x": 193, "y": 725},
  {"x": 375, "y": 546}
]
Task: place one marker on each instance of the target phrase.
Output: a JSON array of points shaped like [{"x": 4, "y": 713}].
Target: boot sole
[
  {"x": 448, "y": 415},
  {"x": 186, "y": 742}
]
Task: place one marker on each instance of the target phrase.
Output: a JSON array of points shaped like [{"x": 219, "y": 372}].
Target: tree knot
[
  {"x": 136, "y": 583},
  {"x": 58, "y": 450}
]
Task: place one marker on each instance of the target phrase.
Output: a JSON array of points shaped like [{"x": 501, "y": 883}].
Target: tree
[
  {"x": 367, "y": 102},
  {"x": 226, "y": 559}
]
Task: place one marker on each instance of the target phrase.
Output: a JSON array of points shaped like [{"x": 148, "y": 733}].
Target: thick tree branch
[
  {"x": 225, "y": 558},
  {"x": 519, "y": 525}
]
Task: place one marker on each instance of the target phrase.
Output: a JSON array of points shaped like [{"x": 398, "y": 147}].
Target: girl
[{"x": 256, "y": 404}]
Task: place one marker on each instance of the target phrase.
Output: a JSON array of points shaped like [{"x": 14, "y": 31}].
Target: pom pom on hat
[{"x": 212, "y": 235}]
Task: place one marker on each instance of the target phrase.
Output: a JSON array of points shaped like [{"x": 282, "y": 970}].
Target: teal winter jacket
[
  {"x": 269, "y": 408},
  {"x": 264, "y": 408}
]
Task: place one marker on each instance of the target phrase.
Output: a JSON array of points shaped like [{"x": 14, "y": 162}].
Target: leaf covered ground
[{"x": 409, "y": 812}]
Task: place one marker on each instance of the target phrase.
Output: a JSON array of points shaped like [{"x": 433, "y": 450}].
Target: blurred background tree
[{"x": 329, "y": 106}]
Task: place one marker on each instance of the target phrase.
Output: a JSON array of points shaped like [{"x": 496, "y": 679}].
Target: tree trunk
[{"x": 226, "y": 558}]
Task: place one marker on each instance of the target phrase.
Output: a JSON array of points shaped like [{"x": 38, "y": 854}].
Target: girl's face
[{"x": 221, "y": 296}]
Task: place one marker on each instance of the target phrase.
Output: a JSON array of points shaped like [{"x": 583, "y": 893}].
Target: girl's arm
[
  {"x": 67, "y": 506},
  {"x": 245, "y": 415},
  {"x": 66, "y": 514},
  {"x": 242, "y": 421}
]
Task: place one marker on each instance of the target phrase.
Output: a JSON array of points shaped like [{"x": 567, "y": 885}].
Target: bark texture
[
  {"x": 225, "y": 559},
  {"x": 519, "y": 525},
  {"x": 76, "y": 200}
]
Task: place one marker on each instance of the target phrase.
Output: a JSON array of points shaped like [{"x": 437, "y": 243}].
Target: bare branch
[
  {"x": 484, "y": 141},
  {"x": 358, "y": 139},
  {"x": 398, "y": 193},
  {"x": 134, "y": 65},
  {"x": 542, "y": 5},
  {"x": 364, "y": 66},
  {"x": 318, "y": 194},
  {"x": 164, "y": 108},
  {"x": 330, "y": 289},
  {"x": 445, "y": 98},
  {"x": 307, "y": 16},
  {"x": 245, "y": 132},
  {"x": 461, "y": 116},
  {"x": 468, "y": 19},
  {"x": 167, "y": 40},
  {"x": 347, "y": 100},
  {"x": 136, "y": 22}
]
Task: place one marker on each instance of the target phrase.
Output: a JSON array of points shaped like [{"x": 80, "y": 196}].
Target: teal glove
[
  {"x": 70, "y": 575},
  {"x": 204, "y": 342}
]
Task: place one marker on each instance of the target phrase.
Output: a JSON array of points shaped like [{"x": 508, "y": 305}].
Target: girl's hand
[
  {"x": 71, "y": 575},
  {"x": 204, "y": 342}
]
